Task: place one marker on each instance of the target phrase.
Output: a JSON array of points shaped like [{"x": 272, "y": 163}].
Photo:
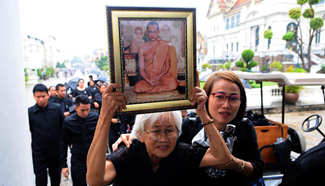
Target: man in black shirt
[
  {"x": 62, "y": 99},
  {"x": 45, "y": 124},
  {"x": 78, "y": 132}
]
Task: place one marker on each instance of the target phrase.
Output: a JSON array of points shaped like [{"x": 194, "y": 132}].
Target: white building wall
[
  {"x": 16, "y": 167},
  {"x": 263, "y": 14}
]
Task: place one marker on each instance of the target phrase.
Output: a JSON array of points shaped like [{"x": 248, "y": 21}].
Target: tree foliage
[
  {"x": 206, "y": 66},
  {"x": 102, "y": 63},
  {"x": 289, "y": 36},
  {"x": 313, "y": 2},
  {"x": 295, "y": 13},
  {"x": 247, "y": 55},
  {"x": 248, "y": 63},
  {"x": 309, "y": 13},
  {"x": 268, "y": 34},
  {"x": 60, "y": 65},
  {"x": 301, "y": 2},
  {"x": 294, "y": 88},
  {"x": 276, "y": 65},
  {"x": 315, "y": 24}
]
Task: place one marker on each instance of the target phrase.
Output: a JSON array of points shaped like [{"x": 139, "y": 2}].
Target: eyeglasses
[
  {"x": 157, "y": 133},
  {"x": 221, "y": 98}
]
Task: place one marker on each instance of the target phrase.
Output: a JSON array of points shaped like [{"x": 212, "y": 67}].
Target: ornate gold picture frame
[{"x": 152, "y": 54}]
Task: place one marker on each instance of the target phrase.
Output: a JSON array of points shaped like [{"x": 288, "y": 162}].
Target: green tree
[
  {"x": 60, "y": 65},
  {"x": 268, "y": 34},
  {"x": 288, "y": 36},
  {"x": 102, "y": 63},
  {"x": 26, "y": 75},
  {"x": 248, "y": 63},
  {"x": 206, "y": 66},
  {"x": 49, "y": 71},
  {"x": 315, "y": 24},
  {"x": 227, "y": 65},
  {"x": 39, "y": 73}
]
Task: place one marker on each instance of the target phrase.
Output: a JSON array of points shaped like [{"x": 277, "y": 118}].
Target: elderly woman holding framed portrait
[
  {"x": 155, "y": 157},
  {"x": 224, "y": 105}
]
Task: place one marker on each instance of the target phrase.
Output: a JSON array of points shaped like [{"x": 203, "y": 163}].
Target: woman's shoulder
[
  {"x": 123, "y": 153},
  {"x": 245, "y": 129},
  {"x": 189, "y": 151},
  {"x": 245, "y": 124}
]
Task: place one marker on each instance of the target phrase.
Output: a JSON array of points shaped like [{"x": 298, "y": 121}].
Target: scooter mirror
[{"x": 311, "y": 123}]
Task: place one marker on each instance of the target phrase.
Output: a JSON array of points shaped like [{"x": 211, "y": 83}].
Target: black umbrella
[{"x": 73, "y": 83}]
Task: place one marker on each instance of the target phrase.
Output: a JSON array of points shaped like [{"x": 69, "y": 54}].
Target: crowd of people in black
[
  {"x": 214, "y": 146},
  {"x": 62, "y": 119}
]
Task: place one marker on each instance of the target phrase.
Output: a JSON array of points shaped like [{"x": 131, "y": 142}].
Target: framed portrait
[{"x": 152, "y": 54}]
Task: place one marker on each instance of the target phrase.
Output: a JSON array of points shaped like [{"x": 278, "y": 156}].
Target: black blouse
[
  {"x": 78, "y": 92},
  {"x": 245, "y": 148},
  {"x": 133, "y": 166}
]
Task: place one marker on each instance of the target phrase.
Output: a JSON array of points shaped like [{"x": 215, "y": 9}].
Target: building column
[{"x": 15, "y": 141}]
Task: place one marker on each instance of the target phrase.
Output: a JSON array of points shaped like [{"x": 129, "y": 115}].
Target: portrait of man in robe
[{"x": 154, "y": 63}]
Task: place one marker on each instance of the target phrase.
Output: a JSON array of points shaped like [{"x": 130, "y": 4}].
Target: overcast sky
[{"x": 80, "y": 25}]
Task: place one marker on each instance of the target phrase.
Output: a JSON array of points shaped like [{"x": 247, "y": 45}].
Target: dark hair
[
  {"x": 40, "y": 88},
  {"x": 152, "y": 23},
  {"x": 51, "y": 87},
  {"x": 57, "y": 87},
  {"x": 82, "y": 99},
  {"x": 146, "y": 35},
  {"x": 233, "y": 78},
  {"x": 81, "y": 80}
]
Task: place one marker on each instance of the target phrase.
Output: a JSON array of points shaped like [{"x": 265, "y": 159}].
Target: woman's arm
[{"x": 97, "y": 172}]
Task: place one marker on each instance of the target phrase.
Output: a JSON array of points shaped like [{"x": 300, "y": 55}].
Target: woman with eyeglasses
[
  {"x": 155, "y": 157},
  {"x": 225, "y": 105}
]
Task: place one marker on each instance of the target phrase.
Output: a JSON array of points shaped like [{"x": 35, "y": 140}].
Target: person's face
[
  {"x": 153, "y": 32},
  {"x": 82, "y": 110},
  {"x": 61, "y": 92},
  {"x": 160, "y": 138},
  {"x": 81, "y": 84},
  {"x": 52, "y": 91},
  {"x": 224, "y": 101},
  {"x": 41, "y": 98},
  {"x": 91, "y": 83},
  {"x": 138, "y": 32}
]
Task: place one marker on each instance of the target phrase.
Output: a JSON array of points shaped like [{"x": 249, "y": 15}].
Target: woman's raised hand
[
  {"x": 113, "y": 99},
  {"x": 124, "y": 138},
  {"x": 199, "y": 98}
]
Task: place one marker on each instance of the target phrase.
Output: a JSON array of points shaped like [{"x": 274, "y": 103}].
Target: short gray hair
[{"x": 142, "y": 119}]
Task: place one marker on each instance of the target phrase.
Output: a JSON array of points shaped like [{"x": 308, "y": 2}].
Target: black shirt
[
  {"x": 92, "y": 90},
  {"x": 78, "y": 92},
  {"x": 78, "y": 132},
  {"x": 98, "y": 98},
  {"x": 190, "y": 127},
  {"x": 245, "y": 147},
  {"x": 133, "y": 166},
  {"x": 45, "y": 125},
  {"x": 65, "y": 103}
]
